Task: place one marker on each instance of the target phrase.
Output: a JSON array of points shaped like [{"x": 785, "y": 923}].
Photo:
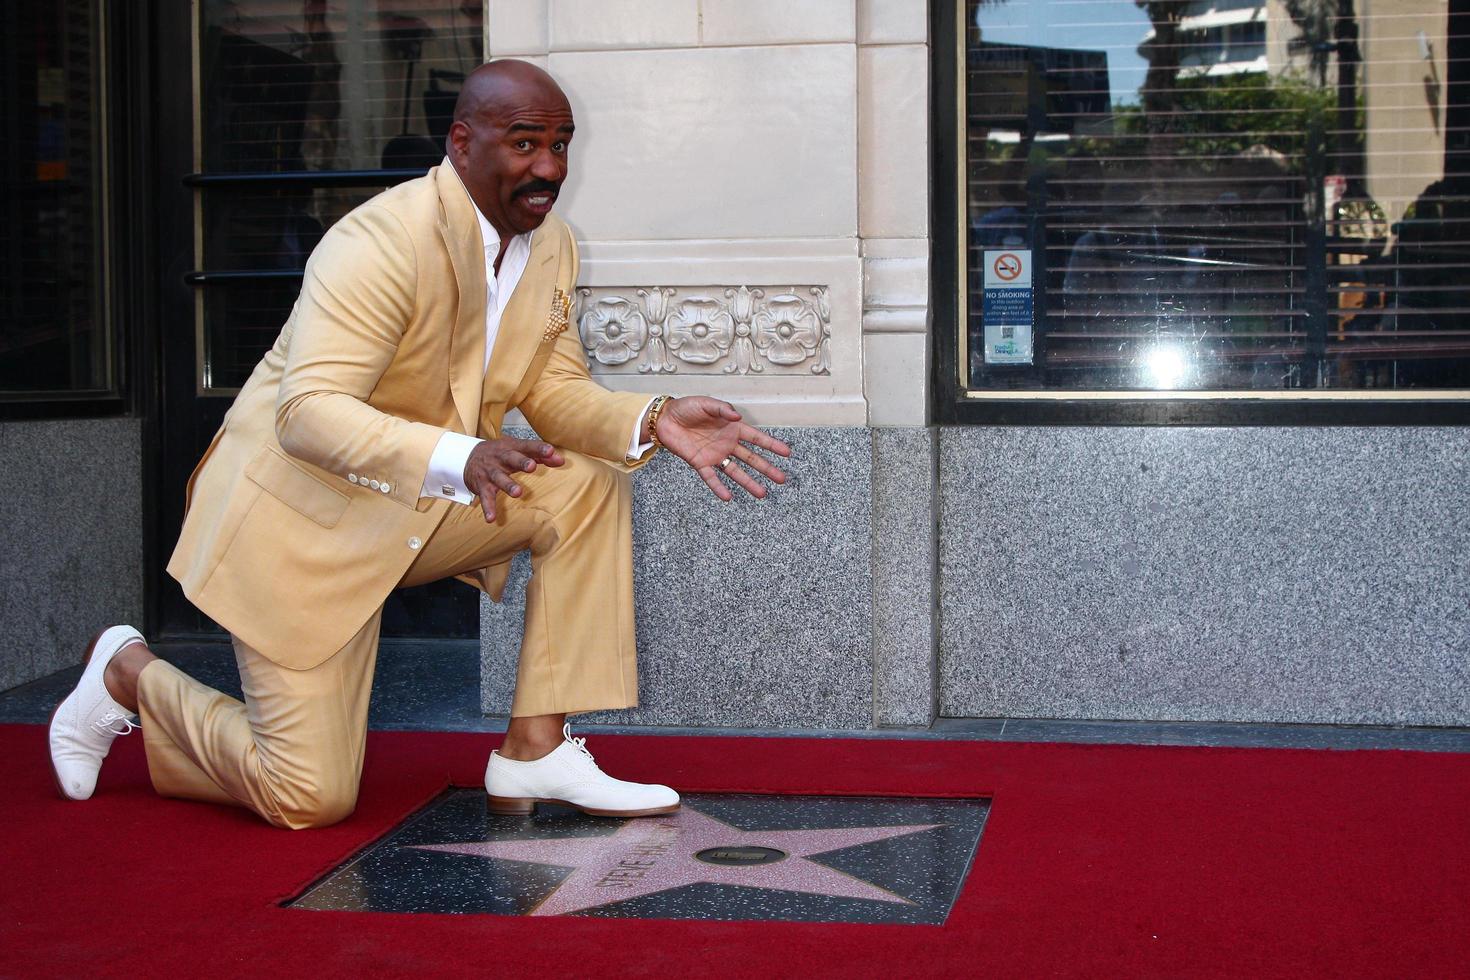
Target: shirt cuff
[
  {"x": 637, "y": 450},
  {"x": 445, "y": 478}
]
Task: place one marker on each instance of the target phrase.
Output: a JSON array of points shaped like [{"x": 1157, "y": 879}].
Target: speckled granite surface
[
  {"x": 751, "y": 613},
  {"x": 1262, "y": 574},
  {"x": 903, "y": 576},
  {"x": 71, "y": 555}
]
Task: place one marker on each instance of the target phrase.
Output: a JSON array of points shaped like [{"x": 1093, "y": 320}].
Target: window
[
  {"x": 307, "y": 109},
  {"x": 1246, "y": 198},
  {"x": 55, "y": 341}
]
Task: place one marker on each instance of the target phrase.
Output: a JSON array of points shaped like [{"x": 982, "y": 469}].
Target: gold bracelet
[{"x": 655, "y": 409}]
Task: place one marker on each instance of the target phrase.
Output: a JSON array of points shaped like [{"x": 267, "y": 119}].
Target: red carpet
[{"x": 1097, "y": 860}]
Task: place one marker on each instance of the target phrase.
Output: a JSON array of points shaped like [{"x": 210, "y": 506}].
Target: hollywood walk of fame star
[{"x": 658, "y": 854}]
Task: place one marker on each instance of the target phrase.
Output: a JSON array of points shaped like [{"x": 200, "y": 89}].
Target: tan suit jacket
[{"x": 382, "y": 354}]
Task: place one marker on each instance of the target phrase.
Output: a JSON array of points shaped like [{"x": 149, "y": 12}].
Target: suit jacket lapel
[
  {"x": 461, "y": 231},
  {"x": 524, "y": 320}
]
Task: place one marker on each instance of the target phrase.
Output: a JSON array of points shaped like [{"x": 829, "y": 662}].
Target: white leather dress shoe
[
  {"x": 568, "y": 776},
  {"x": 88, "y": 719}
]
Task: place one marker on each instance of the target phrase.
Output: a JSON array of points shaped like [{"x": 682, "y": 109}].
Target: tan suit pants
[{"x": 292, "y": 751}]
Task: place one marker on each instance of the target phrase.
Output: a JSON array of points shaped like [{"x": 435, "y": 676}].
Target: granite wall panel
[
  {"x": 904, "y": 544},
  {"x": 751, "y": 613},
  {"x": 1206, "y": 574},
  {"x": 71, "y": 557}
]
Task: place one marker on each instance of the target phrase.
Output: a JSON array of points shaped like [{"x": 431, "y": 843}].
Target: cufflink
[
  {"x": 447, "y": 490},
  {"x": 561, "y": 311}
]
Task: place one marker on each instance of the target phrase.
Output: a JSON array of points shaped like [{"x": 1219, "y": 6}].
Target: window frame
[{"x": 951, "y": 404}]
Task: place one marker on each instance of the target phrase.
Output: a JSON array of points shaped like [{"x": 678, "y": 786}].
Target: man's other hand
[
  {"x": 706, "y": 432},
  {"x": 487, "y": 472}
]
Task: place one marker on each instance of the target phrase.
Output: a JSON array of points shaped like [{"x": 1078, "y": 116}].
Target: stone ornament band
[{"x": 784, "y": 330}]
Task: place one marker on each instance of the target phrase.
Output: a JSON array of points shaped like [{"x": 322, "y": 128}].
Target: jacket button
[
  {"x": 374, "y": 484},
  {"x": 351, "y": 477},
  {"x": 415, "y": 544},
  {"x": 386, "y": 488}
]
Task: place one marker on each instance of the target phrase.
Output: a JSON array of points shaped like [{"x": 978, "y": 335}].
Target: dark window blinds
[
  {"x": 53, "y": 337},
  {"x": 326, "y": 95},
  {"x": 1220, "y": 194}
]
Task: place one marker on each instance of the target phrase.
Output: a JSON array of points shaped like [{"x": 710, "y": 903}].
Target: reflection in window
[
  {"x": 53, "y": 337},
  {"x": 1218, "y": 194},
  {"x": 311, "y": 85}
]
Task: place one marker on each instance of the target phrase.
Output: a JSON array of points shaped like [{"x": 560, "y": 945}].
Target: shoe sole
[
  {"x": 51, "y": 722},
  {"x": 521, "y": 806}
]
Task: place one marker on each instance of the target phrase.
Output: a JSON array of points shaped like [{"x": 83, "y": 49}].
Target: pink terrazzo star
[{"x": 657, "y": 854}]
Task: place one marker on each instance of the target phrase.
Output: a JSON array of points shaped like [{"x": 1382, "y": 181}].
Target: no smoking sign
[{"x": 1006, "y": 306}]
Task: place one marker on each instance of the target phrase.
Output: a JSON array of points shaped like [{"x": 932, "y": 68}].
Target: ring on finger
[{"x": 725, "y": 464}]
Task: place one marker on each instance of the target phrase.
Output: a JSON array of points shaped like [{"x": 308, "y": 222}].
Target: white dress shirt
[{"x": 445, "y": 476}]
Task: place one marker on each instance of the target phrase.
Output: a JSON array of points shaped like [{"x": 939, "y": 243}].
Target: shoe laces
[
  {"x": 110, "y": 721},
  {"x": 579, "y": 743}
]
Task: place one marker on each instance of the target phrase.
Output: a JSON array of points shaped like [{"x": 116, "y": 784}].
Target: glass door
[{"x": 282, "y": 117}]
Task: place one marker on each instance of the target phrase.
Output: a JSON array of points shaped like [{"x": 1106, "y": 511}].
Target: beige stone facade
[{"x": 750, "y": 185}]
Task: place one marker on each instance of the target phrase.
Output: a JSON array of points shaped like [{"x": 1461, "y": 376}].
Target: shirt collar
[{"x": 488, "y": 234}]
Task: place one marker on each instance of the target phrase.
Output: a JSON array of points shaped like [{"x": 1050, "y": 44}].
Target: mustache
[{"x": 538, "y": 186}]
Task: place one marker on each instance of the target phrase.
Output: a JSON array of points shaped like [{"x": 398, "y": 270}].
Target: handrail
[{"x": 226, "y": 277}]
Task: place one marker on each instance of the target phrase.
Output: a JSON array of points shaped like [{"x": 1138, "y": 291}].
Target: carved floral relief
[
  {"x": 704, "y": 330},
  {"x": 613, "y": 330}
]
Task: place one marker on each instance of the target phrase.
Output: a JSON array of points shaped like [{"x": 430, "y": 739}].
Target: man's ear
[{"x": 459, "y": 139}]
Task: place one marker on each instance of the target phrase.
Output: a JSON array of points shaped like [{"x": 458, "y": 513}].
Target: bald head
[
  {"x": 508, "y": 143},
  {"x": 502, "y": 85}
]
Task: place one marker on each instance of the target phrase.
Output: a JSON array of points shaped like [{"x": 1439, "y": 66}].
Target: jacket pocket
[{"x": 296, "y": 488}]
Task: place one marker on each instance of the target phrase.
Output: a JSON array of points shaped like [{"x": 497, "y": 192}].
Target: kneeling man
[{"x": 365, "y": 453}]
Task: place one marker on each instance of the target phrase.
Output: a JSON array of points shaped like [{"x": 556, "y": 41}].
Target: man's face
[{"x": 513, "y": 157}]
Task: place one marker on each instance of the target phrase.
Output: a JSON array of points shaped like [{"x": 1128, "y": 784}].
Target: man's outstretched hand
[
  {"x": 704, "y": 432},
  {"x": 488, "y": 470}
]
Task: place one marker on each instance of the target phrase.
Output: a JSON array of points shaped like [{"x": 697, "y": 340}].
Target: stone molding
[{"x": 731, "y": 330}]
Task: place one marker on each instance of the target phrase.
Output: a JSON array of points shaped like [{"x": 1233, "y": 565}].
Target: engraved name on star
[{"x": 654, "y": 855}]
